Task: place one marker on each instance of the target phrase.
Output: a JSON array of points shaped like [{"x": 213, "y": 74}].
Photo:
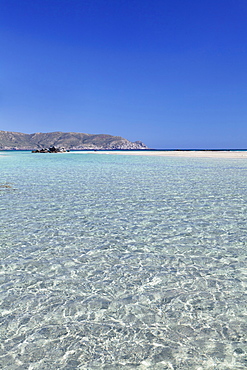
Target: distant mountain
[{"x": 69, "y": 140}]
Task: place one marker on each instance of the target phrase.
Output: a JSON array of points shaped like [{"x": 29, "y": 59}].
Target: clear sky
[{"x": 171, "y": 73}]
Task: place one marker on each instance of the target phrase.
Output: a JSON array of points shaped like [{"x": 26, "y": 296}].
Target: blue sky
[{"x": 170, "y": 73}]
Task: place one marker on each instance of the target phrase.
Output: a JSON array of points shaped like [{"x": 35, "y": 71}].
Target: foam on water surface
[{"x": 122, "y": 262}]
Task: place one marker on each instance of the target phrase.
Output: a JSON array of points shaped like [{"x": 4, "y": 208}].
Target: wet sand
[{"x": 183, "y": 153}]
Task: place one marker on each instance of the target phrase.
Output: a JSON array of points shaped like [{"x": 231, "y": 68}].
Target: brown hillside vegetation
[{"x": 69, "y": 140}]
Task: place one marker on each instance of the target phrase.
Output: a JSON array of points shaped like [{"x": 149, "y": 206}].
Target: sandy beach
[{"x": 181, "y": 153}]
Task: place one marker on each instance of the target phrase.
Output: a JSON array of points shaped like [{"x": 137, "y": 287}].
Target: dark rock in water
[
  {"x": 5, "y": 186},
  {"x": 52, "y": 149},
  {"x": 239, "y": 351}
]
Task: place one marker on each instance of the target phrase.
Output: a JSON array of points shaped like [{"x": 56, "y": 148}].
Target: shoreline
[
  {"x": 183, "y": 153},
  {"x": 167, "y": 153}
]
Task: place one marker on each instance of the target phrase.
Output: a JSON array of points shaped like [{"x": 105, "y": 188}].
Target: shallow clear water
[{"x": 122, "y": 262}]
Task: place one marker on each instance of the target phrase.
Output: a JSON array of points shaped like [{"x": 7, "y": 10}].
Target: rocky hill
[{"x": 68, "y": 140}]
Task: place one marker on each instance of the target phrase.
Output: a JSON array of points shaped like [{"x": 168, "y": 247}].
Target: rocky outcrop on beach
[
  {"x": 52, "y": 149},
  {"x": 70, "y": 140}
]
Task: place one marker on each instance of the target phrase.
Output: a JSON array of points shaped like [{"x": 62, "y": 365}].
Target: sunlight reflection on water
[{"x": 111, "y": 262}]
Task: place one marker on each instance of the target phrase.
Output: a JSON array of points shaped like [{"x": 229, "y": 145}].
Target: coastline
[
  {"x": 183, "y": 153},
  {"x": 167, "y": 153}
]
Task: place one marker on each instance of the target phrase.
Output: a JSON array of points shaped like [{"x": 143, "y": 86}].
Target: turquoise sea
[{"x": 122, "y": 262}]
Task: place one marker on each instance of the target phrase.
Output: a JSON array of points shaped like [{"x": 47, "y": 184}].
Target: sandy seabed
[{"x": 184, "y": 153}]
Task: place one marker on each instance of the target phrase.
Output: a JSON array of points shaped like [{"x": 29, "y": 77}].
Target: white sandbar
[{"x": 183, "y": 153}]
